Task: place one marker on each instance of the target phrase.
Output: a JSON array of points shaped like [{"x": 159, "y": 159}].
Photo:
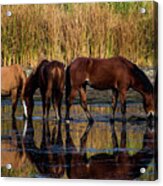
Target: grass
[{"x": 66, "y": 31}]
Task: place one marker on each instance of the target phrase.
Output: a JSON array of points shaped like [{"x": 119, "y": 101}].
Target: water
[{"x": 102, "y": 150}]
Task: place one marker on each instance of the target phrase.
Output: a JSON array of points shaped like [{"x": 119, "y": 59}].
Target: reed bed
[{"x": 66, "y": 31}]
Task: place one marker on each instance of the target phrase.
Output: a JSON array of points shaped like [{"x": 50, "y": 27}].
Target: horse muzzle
[{"x": 150, "y": 113}]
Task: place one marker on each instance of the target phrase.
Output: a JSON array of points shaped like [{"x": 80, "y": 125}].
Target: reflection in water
[
  {"x": 119, "y": 165},
  {"x": 12, "y": 148},
  {"x": 49, "y": 158},
  {"x": 52, "y": 149},
  {"x": 80, "y": 150}
]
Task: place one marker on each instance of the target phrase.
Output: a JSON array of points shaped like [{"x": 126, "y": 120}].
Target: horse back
[
  {"x": 13, "y": 77},
  {"x": 115, "y": 72},
  {"x": 99, "y": 73},
  {"x": 58, "y": 73},
  {"x": 53, "y": 73}
]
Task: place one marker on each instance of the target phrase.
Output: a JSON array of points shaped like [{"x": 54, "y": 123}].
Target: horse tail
[{"x": 68, "y": 83}]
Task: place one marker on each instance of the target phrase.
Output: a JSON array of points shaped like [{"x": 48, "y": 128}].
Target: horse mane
[
  {"x": 41, "y": 63},
  {"x": 58, "y": 63},
  {"x": 139, "y": 74},
  {"x": 29, "y": 82}
]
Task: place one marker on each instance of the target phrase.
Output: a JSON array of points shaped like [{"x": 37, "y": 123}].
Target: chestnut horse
[
  {"x": 116, "y": 73},
  {"x": 13, "y": 84},
  {"x": 49, "y": 78}
]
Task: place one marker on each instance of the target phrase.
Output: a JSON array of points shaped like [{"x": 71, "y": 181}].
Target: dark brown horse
[
  {"x": 120, "y": 165},
  {"x": 116, "y": 73},
  {"x": 13, "y": 84},
  {"x": 49, "y": 78}
]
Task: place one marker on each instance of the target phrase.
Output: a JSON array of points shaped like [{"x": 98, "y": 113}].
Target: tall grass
[{"x": 66, "y": 31}]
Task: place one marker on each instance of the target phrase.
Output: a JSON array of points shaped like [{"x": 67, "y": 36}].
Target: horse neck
[
  {"x": 32, "y": 83},
  {"x": 144, "y": 88}
]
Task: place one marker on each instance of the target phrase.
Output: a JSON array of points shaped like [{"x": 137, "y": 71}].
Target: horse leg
[
  {"x": 57, "y": 102},
  {"x": 69, "y": 101},
  {"x": 114, "y": 136},
  {"x": 114, "y": 101},
  {"x": 43, "y": 102},
  {"x": 25, "y": 114},
  {"x": 47, "y": 102},
  {"x": 123, "y": 104},
  {"x": 123, "y": 135},
  {"x": 60, "y": 104},
  {"x": 55, "y": 107},
  {"x": 83, "y": 139},
  {"x": 14, "y": 97},
  {"x": 83, "y": 98}
]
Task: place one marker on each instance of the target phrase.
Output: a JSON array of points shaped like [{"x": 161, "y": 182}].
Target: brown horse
[
  {"x": 120, "y": 165},
  {"x": 49, "y": 78},
  {"x": 13, "y": 84},
  {"x": 116, "y": 73}
]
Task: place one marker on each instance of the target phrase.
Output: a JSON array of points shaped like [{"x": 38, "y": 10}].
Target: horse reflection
[
  {"x": 49, "y": 158},
  {"x": 12, "y": 148},
  {"x": 119, "y": 165}
]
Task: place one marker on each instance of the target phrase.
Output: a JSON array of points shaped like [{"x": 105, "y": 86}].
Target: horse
[
  {"x": 120, "y": 165},
  {"x": 13, "y": 84},
  {"x": 116, "y": 73},
  {"x": 49, "y": 78}
]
